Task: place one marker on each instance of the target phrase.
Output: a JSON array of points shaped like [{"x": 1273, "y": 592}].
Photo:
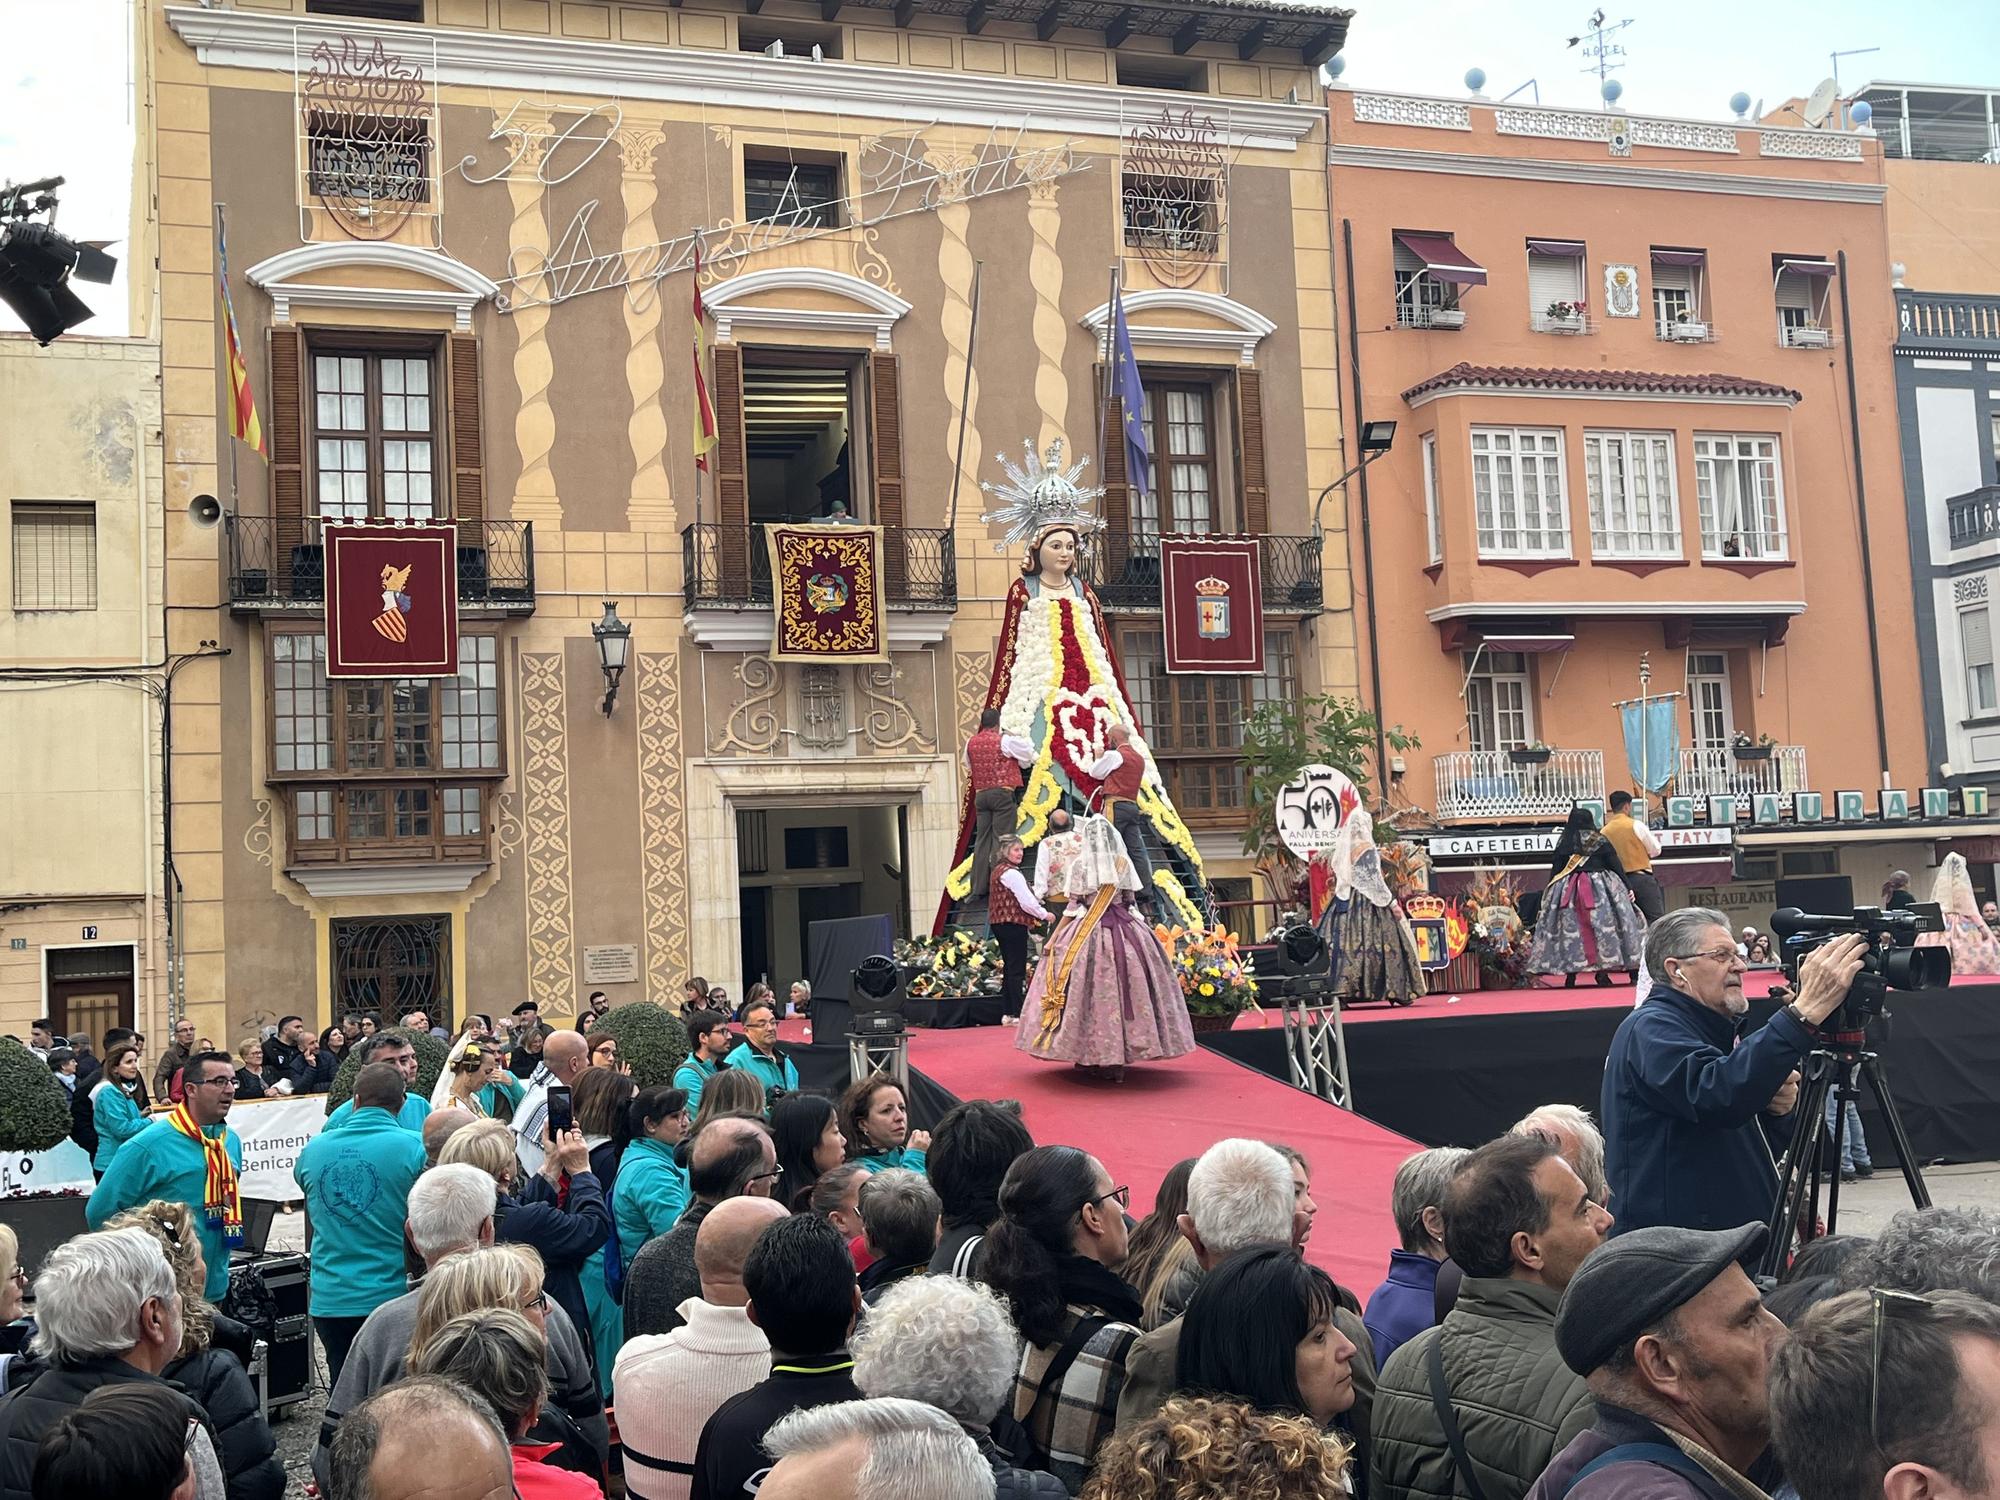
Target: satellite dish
[{"x": 1819, "y": 104}]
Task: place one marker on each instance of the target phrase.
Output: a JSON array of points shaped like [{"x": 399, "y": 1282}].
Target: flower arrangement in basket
[
  {"x": 957, "y": 963},
  {"x": 1218, "y": 982},
  {"x": 1496, "y": 938}
]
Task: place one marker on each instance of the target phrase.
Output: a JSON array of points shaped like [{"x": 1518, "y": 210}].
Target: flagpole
[
  {"x": 1110, "y": 371},
  {"x": 222, "y": 270},
  {"x": 965, "y": 399},
  {"x": 1645, "y": 735}
]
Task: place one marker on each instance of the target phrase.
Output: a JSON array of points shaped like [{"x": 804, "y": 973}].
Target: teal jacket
[
  {"x": 882, "y": 1161},
  {"x": 772, "y": 1072},
  {"x": 118, "y": 1120},
  {"x": 507, "y": 1087},
  {"x": 159, "y": 1162},
  {"x": 415, "y": 1111},
  {"x": 689, "y": 1078},
  {"x": 357, "y": 1182},
  {"x": 650, "y": 1195}
]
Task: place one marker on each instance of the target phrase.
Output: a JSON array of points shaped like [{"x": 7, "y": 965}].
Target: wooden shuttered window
[
  {"x": 885, "y": 447},
  {"x": 1253, "y": 482},
  {"x": 288, "y": 451},
  {"x": 468, "y": 469},
  {"x": 731, "y": 471}
]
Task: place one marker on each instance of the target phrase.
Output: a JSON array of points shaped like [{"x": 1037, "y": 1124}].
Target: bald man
[
  {"x": 731, "y": 1158},
  {"x": 564, "y": 1057},
  {"x": 440, "y": 1126},
  {"x": 668, "y": 1385},
  {"x": 387, "y": 1447}
]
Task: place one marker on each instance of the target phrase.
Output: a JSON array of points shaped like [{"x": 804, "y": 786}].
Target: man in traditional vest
[
  {"x": 994, "y": 761},
  {"x": 1119, "y": 771},
  {"x": 1636, "y": 845},
  {"x": 1010, "y": 907}
]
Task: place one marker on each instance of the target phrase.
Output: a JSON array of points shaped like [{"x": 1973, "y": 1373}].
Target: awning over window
[
  {"x": 1568, "y": 249},
  {"x": 1807, "y": 267},
  {"x": 1531, "y": 645},
  {"x": 1443, "y": 259},
  {"x": 1680, "y": 257}
]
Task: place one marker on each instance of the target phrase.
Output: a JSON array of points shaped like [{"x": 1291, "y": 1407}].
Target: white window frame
[
  {"x": 1683, "y": 286},
  {"x": 1433, "y": 516},
  {"x": 1802, "y": 302},
  {"x": 1708, "y": 671},
  {"x": 1418, "y": 293},
  {"x": 1982, "y": 692},
  {"x": 1553, "y": 278},
  {"x": 1644, "y": 520},
  {"x": 1498, "y": 492},
  {"x": 1723, "y": 517},
  {"x": 1485, "y": 686}
]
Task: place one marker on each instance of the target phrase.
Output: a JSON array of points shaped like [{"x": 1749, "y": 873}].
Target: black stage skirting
[
  {"x": 823, "y": 1070},
  {"x": 949, "y": 1015},
  {"x": 1461, "y": 1080}
]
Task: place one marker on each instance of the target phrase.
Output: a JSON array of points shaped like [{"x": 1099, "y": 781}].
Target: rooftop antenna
[
  {"x": 1530, "y": 84},
  {"x": 1835, "y": 57},
  {"x": 1605, "y": 54}
]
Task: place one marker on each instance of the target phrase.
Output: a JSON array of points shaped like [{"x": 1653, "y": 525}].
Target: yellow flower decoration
[{"x": 1207, "y": 988}]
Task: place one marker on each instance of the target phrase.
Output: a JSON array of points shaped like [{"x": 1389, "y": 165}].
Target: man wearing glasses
[
  {"x": 188, "y": 1156},
  {"x": 1682, "y": 1097},
  {"x": 1675, "y": 1344},
  {"x": 758, "y": 1054}
]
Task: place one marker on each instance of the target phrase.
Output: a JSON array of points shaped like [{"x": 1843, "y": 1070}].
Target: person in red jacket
[
  {"x": 1010, "y": 908},
  {"x": 993, "y": 761}
]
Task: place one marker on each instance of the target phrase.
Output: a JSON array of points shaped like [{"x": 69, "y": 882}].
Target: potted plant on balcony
[
  {"x": 35, "y": 1118},
  {"x": 1564, "y": 316},
  {"x": 1687, "y": 329},
  {"x": 1536, "y": 754},
  {"x": 1745, "y": 748}
]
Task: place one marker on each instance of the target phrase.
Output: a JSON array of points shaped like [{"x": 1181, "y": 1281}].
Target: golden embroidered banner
[{"x": 826, "y": 593}]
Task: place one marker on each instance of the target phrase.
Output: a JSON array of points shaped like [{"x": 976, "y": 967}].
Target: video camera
[{"x": 1892, "y": 961}]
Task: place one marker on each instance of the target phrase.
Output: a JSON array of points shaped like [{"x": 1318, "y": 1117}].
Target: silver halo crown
[{"x": 1043, "y": 495}]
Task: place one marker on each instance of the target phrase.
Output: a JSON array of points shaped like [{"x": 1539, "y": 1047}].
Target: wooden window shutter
[
  {"x": 468, "y": 468},
  {"x": 1252, "y": 481},
  {"x": 288, "y": 449},
  {"x": 885, "y": 446},
  {"x": 731, "y": 471},
  {"x": 1112, "y": 474}
]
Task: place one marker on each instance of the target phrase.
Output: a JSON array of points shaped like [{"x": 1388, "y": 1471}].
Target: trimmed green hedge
[
  {"x": 650, "y": 1038},
  {"x": 34, "y": 1108},
  {"x": 431, "y": 1054}
]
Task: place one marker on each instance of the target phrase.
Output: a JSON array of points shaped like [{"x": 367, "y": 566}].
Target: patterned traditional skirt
[
  {"x": 1588, "y": 921},
  {"x": 1103, "y": 993},
  {"x": 1974, "y": 949},
  {"x": 1371, "y": 961}
]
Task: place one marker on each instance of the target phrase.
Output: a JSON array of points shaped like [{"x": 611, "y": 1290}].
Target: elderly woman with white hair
[
  {"x": 1405, "y": 1304},
  {"x": 950, "y": 1343}
]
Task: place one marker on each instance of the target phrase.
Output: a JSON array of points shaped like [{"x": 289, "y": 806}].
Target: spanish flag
[
  {"x": 704, "y": 409},
  {"x": 243, "y": 421}
]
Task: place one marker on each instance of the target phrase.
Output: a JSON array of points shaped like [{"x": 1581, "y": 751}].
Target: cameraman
[{"x": 1682, "y": 1099}]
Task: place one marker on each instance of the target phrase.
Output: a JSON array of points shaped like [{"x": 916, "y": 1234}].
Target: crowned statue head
[{"x": 1042, "y": 504}]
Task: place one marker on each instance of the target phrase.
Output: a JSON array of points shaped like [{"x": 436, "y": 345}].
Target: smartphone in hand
[{"x": 562, "y": 1111}]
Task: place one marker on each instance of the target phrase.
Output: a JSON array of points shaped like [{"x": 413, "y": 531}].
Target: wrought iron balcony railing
[
  {"x": 281, "y": 565},
  {"x": 731, "y": 566},
  {"x": 1474, "y": 784},
  {"x": 1722, "y": 770},
  {"x": 1124, "y": 568}
]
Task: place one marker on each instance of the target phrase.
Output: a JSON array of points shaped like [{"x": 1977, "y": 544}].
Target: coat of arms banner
[
  {"x": 826, "y": 593},
  {"x": 1213, "y": 592},
  {"x": 391, "y": 600}
]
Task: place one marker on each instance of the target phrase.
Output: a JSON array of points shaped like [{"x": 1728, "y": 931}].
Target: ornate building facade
[{"x": 462, "y": 247}]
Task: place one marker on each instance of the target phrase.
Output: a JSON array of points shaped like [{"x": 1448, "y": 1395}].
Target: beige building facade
[
  {"x": 461, "y": 249},
  {"x": 82, "y": 884}
]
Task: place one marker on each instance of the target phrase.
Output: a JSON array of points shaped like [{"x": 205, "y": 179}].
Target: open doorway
[
  {"x": 803, "y": 444},
  {"x": 810, "y": 864}
]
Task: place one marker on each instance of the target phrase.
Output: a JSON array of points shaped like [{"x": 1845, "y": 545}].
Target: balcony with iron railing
[
  {"x": 730, "y": 567},
  {"x": 1742, "y": 771},
  {"x": 1973, "y": 517},
  {"x": 1124, "y": 569},
  {"x": 1477, "y": 785},
  {"x": 280, "y": 566}
]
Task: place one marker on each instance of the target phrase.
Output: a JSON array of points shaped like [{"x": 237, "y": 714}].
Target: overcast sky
[{"x": 65, "y": 68}]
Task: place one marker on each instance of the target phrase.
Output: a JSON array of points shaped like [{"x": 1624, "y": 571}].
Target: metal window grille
[{"x": 55, "y": 555}]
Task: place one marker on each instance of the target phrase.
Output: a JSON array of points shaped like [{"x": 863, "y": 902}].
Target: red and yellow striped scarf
[{"x": 220, "y": 1200}]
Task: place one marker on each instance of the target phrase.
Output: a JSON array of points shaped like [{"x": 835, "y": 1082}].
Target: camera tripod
[{"x": 1835, "y": 1068}]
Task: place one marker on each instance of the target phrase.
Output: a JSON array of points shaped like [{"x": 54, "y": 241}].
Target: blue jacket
[
  {"x": 159, "y": 1162},
  {"x": 882, "y": 1161},
  {"x": 118, "y": 1118},
  {"x": 1404, "y": 1305},
  {"x": 1682, "y": 1099},
  {"x": 357, "y": 1182},
  {"x": 564, "y": 1236},
  {"x": 772, "y": 1072},
  {"x": 649, "y": 1196},
  {"x": 690, "y": 1077},
  {"x": 415, "y": 1111}
]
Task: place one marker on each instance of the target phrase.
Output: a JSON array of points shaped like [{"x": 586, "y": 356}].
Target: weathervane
[{"x": 1600, "y": 49}]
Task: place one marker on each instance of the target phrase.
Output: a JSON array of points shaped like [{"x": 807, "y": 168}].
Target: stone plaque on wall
[{"x": 612, "y": 963}]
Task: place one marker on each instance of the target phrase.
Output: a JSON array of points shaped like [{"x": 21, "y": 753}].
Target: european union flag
[{"x": 1125, "y": 383}]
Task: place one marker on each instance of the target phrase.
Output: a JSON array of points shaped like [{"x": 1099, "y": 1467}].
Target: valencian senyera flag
[
  {"x": 704, "y": 409},
  {"x": 826, "y": 592},
  {"x": 391, "y": 600},
  {"x": 243, "y": 422}
]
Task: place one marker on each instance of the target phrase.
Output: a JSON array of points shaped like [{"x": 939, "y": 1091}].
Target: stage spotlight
[
  {"x": 37, "y": 264},
  {"x": 877, "y": 997}
]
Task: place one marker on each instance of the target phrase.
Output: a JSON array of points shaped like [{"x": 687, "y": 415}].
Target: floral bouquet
[
  {"x": 1497, "y": 938},
  {"x": 957, "y": 963},
  {"x": 1218, "y": 981}
]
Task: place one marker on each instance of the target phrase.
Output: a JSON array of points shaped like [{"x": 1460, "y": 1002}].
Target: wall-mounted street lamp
[
  {"x": 1377, "y": 438},
  {"x": 614, "y": 649}
]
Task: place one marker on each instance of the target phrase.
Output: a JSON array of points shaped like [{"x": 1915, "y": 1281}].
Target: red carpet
[{"x": 1163, "y": 1112}]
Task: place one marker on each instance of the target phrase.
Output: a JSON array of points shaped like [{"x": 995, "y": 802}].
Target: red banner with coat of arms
[
  {"x": 391, "y": 600},
  {"x": 1212, "y": 590},
  {"x": 826, "y": 593}
]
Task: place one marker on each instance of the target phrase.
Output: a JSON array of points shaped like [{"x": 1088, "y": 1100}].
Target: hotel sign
[{"x": 1543, "y": 841}]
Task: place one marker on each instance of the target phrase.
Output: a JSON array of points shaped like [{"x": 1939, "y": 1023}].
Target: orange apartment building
[{"x": 1646, "y": 412}]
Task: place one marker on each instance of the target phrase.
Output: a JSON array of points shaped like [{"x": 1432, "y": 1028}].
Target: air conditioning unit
[
  {"x": 1688, "y": 333},
  {"x": 1447, "y": 317},
  {"x": 1807, "y": 338}
]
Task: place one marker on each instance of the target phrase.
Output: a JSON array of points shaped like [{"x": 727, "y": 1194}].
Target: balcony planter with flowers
[
  {"x": 1745, "y": 748},
  {"x": 1536, "y": 754},
  {"x": 1564, "y": 316}
]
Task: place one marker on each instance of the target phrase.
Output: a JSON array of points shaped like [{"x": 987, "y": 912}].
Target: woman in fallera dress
[
  {"x": 1374, "y": 951},
  {"x": 1974, "y": 947},
  {"x": 1588, "y": 921}
]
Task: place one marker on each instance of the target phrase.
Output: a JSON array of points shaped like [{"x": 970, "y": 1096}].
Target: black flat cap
[
  {"x": 1635, "y": 1280},
  {"x": 524, "y": 1006}
]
